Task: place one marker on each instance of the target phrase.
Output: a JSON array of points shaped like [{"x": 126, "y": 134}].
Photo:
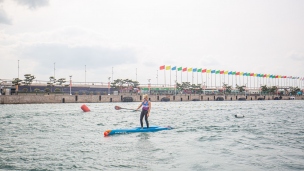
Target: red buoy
[{"x": 85, "y": 108}]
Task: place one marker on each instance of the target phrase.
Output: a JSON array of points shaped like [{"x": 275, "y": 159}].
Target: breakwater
[{"x": 62, "y": 98}]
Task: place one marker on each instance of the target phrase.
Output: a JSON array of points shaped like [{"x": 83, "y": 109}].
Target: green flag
[
  {"x": 199, "y": 70},
  {"x": 179, "y": 69}
]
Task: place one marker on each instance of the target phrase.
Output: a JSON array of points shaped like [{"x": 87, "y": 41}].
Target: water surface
[{"x": 207, "y": 136}]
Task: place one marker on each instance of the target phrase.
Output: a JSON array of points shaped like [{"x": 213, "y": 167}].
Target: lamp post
[
  {"x": 157, "y": 77},
  {"x": 70, "y": 84},
  {"x": 109, "y": 85},
  {"x": 260, "y": 89},
  {"x": 224, "y": 88},
  {"x": 149, "y": 85},
  {"x": 245, "y": 89},
  {"x": 54, "y": 69},
  {"x": 0, "y": 87},
  {"x": 277, "y": 90},
  {"x": 175, "y": 87},
  {"x": 18, "y": 69},
  {"x": 204, "y": 88}
]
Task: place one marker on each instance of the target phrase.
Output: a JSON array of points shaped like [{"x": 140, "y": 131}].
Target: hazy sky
[{"x": 260, "y": 36}]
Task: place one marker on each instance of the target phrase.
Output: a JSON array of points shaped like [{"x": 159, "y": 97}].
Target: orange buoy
[{"x": 85, "y": 108}]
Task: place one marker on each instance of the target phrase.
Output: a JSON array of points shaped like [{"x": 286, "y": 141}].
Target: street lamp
[
  {"x": 204, "y": 88},
  {"x": 175, "y": 87},
  {"x": 109, "y": 85},
  {"x": 245, "y": 89},
  {"x": 224, "y": 88},
  {"x": 260, "y": 89},
  {"x": 70, "y": 84},
  {"x": 277, "y": 90},
  {"x": 18, "y": 69},
  {"x": 149, "y": 85}
]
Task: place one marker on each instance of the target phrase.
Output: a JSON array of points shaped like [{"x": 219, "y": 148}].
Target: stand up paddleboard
[{"x": 136, "y": 129}]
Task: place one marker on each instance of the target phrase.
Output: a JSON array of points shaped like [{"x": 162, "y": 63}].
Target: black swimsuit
[{"x": 144, "y": 112}]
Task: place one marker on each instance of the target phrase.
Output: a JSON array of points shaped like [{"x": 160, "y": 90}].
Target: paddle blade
[{"x": 117, "y": 107}]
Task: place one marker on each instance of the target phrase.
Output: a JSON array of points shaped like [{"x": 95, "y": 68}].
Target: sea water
[{"x": 206, "y": 136}]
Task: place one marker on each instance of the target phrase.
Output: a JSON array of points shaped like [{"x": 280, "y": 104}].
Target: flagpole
[
  {"x": 192, "y": 76},
  {"x": 232, "y": 79},
  {"x": 220, "y": 79},
  {"x": 250, "y": 80},
  {"x": 206, "y": 78},
  {"x": 187, "y": 75},
  {"x": 247, "y": 79},
  {"x": 243, "y": 78},
  {"x": 211, "y": 79},
  {"x": 182, "y": 75},
  {"x": 253, "y": 81},
  {"x": 196, "y": 77},
  {"x": 170, "y": 77},
  {"x": 215, "y": 79},
  {"x": 165, "y": 75},
  {"x": 175, "y": 76},
  {"x": 157, "y": 77},
  {"x": 235, "y": 78},
  {"x": 202, "y": 79}
]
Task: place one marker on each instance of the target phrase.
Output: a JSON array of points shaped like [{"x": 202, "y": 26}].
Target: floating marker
[{"x": 85, "y": 108}]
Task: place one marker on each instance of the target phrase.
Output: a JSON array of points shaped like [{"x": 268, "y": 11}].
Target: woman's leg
[
  {"x": 146, "y": 119},
  {"x": 141, "y": 118}
]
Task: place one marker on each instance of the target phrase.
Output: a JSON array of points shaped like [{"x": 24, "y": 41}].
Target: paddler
[{"x": 146, "y": 107}]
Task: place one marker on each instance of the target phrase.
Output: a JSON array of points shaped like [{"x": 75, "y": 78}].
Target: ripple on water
[{"x": 206, "y": 136}]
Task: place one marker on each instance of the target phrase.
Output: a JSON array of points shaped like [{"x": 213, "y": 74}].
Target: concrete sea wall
[{"x": 61, "y": 98}]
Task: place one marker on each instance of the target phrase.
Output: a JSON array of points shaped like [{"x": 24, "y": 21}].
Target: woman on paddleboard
[{"x": 146, "y": 107}]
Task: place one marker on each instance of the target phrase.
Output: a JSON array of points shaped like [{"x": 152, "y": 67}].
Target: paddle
[{"x": 118, "y": 108}]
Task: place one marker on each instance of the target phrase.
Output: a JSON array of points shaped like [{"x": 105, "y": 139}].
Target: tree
[
  {"x": 195, "y": 88},
  {"x": 47, "y": 90},
  {"x": 36, "y": 90},
  {"x": 227, "y": 88},
  {"x": 264, "y": 89},
  {"x": 17, "y": 82},
  {"x": 25, "y": 90},
  {"x": 240, "y": 88},
  {"x": 61, "y": 82},
  {"x": 51, "y": 82},
  {"x": 294, "y": 90},
  {"x": 117, "y": 84},
  {"x": 28, "y": 80},
  {"x": 57, "y": 90},
  {"x": 184, "y": 86},
  {"x": 273, "y": 89},
  {"x": 120, "y": 84}
]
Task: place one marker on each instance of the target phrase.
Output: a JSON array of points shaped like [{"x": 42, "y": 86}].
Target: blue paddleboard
[{"x": 136, "y": 129}]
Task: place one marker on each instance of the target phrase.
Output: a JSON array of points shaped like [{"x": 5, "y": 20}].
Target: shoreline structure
[{"x": 62, "y": 98}]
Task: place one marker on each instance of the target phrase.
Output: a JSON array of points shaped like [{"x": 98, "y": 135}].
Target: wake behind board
[{"x": 136, "y": 129}]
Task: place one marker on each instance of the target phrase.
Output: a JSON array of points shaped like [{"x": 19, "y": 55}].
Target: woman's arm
[
  {"x": 149, "y": 109},
  {"x": 139, "y": 106}
]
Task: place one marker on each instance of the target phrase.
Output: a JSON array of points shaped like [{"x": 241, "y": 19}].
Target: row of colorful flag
[{"x": 185, "y": 69}]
